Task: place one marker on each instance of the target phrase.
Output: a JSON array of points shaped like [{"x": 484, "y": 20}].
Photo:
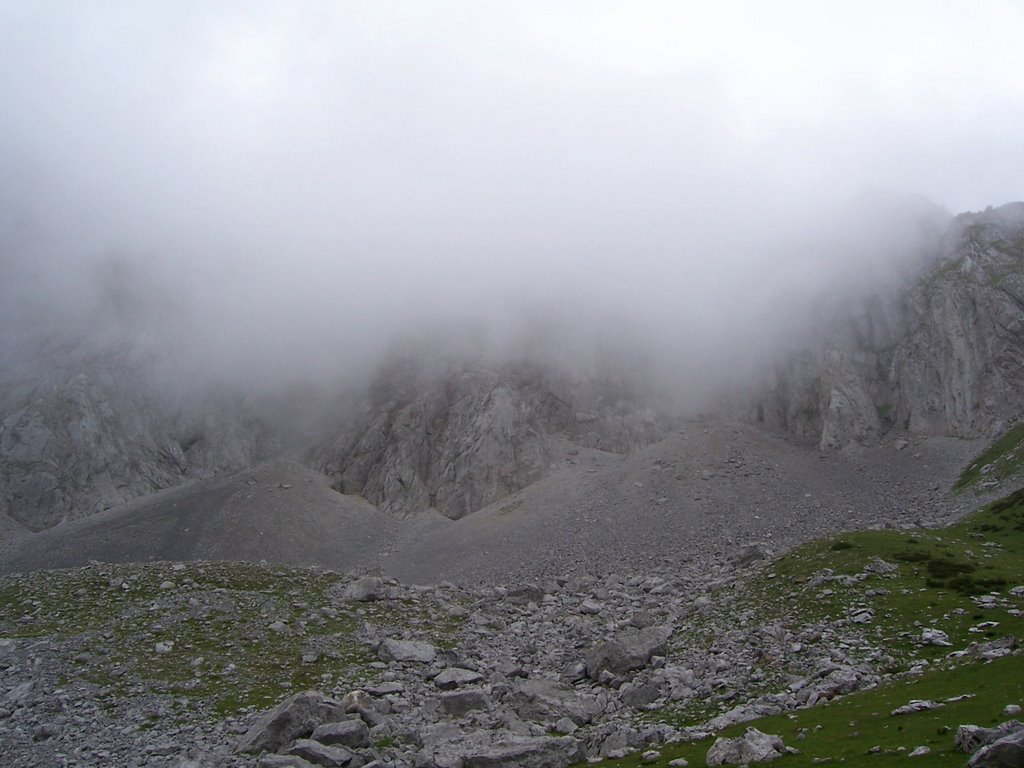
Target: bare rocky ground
[
  {"x": 580, "y": 602},
  {"x": 684, "y": 500},
  {"x": 180, "y": 664}
]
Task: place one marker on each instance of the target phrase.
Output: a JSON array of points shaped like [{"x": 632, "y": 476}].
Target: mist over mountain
[{"x": 220, "y": 225}]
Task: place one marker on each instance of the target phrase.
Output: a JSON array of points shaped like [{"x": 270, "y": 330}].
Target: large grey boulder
[
  {"x": 348, "y": 733},
  {"x": 366, "y": 589},
  {"x": 970, "y": 738},
  {"x": 455, "y": 677},
  {"x": 1006, "y": 752},
  {"x": 459, "y": 703},
  {"x": 294, "y": 718},
  {"x": 627, "y": 652},
  {"x": 545, "y": 701},
  {"x": 453, "y": 748},
  {"x": 391, "y": 649},
  {"x": 752, "y": 747}
]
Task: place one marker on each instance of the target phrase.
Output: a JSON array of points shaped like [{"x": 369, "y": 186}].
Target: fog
[{"x": 273, "y": 192}]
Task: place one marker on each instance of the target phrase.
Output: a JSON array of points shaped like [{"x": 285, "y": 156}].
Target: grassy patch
[
  {"x": 241, "y": 635},
  {"x": 955, "y": 579},
  {"x": 858, "y": 730}
]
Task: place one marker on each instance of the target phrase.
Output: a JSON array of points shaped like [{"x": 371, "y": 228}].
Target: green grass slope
[{"x": 955, "y": 579}]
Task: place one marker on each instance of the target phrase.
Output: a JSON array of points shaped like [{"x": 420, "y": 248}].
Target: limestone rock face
[
  {"x": 943, "y": 355},
  {"x": 462, "y": 437},
  {"x": 95, "y": 432}
]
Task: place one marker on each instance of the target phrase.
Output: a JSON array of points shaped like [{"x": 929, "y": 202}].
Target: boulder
[
  {"x": 455, "y": 677},
  {"x": 932, "y": 636},
  {"x": 348, "y": 733},
  {"x": 627, "y": 652},
  {"x": 294, "y": 718},
  {"x": 640, "y": 696},
  {"x": 1005, "y": 752},
  {"x": 752, "y": 747},
  {"x": 970, "y": 738},
  {"x": 545, "y": 701},
  {"x": 748, "y": 554},
  {"x": 459, "y": 703},
  {"x": 406, "y": 650},
  {"x": 526, "y": 752},
  {"x": 366, "y": 589},
  {"x": 356, "y": 702}
]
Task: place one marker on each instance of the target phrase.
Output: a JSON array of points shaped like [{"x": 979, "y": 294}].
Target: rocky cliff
[
  {"x": 86, "y": 429},
  {"x": 462, "y": 436},
  {"x": 944, "y": 355}
]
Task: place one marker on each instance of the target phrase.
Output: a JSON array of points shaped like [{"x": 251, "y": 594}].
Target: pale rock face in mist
[
  {"x": 460, "y": 439},
  {"x": 942, "y": 357},
  {"x": 96, "y": 433}
]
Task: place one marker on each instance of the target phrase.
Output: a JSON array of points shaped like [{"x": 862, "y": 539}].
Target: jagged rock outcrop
[
  {"x": 95, "y": 432},
  {"x": 460, "y": 438},
  {"x": 942, "y": 356}
]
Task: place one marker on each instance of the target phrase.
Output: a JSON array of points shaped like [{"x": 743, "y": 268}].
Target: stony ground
[
  {"x": 615, "y": 605},
  {"x": 172, "y": 663},
  {"x": 687, "y": 499}
]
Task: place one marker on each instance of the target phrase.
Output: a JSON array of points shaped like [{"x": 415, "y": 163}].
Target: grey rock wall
[
  {"x": 460, "y": 439},
  {"x": 942, "y": 356},
  {"x": 93, "y": 432}
]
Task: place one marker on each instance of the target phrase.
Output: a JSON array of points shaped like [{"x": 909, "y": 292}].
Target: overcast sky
[{"x": 318, "y": 177}]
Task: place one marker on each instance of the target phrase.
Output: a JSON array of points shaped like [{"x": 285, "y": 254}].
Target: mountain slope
[
  {"x": 464, "y": 436},
  {"x": 94, "y": 430},
  {"x": 943, "y": 356}
]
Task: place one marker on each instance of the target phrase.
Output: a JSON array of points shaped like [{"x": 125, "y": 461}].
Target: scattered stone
[
  {"x": 932, "y": 636},
  {"x": 650, "y": 756},
  {"x": 748, "y": 554},
  {"x": 917, "y": 705},
  {"x": 752, "y": 747},
  {"x": 525, "y": 594},
  {"x": 455, "y": 677},
  {"x": 294, "y": 718},
  {"x": 920, "y": 751},
  {"x": 284, "y": 761}
]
